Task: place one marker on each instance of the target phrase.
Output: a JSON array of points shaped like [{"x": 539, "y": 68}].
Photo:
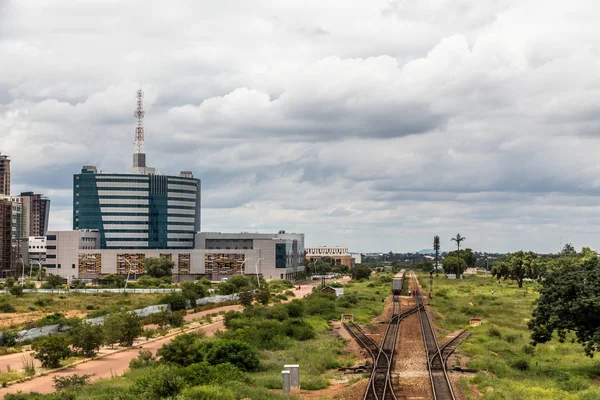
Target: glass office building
[{"x": 137, "y": 211}]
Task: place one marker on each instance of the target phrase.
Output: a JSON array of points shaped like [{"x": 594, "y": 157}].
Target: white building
[
  {"x": 77, "y": 254},
  {"x": 36, "y": 249}
]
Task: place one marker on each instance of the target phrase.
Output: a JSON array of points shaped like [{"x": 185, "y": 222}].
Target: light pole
[
  {"x": 256, "y": 268},
  {"x": 128, "y": 272},
  {"x": 242, "y": 265},
  {"x": 39, "y": 265},
  {"x": 22, "y": 272}
]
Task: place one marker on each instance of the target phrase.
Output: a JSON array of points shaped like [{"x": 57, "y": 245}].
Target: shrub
[
  {"x": 160, "y": 382},
  {"x": 71, "y": 381},
  {"x": 263, "y": 296},
  {"x": 494, "y": 332},
  {"x": 511, "y": 338},
  {"x": 520, "y": 364},
  {"x": 207, "y": 393},
  {"x": 16, "y": 291},
  {"x": 145, "y": 358},
  {"x": 51, "y": 319},
  {"x": 6, "y": 307},
  {"x": 9, "y": 338},
  {"x": 176, "y": 300},
  {"x": 183, "y": 350},
  {"x": 43, "y": 301},
  {"x": 235, "y": 352},
  {"x": 299, "y": 329},
  {"x": 52, "y": 349},
  {"x": 529, "y": 349},
  {"x": 295, "y": 309}
]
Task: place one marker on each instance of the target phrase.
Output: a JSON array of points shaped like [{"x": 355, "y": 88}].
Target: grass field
[{"x": 509, "y": 368}]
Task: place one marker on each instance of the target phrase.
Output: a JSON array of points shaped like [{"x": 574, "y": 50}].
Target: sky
[{"x": 374, "y": 124}]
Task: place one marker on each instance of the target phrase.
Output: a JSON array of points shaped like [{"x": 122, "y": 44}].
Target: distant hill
[{"x": 426, "y": 251}]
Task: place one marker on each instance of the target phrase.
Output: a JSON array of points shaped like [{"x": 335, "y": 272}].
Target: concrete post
[
  {"x": 294, "y": 374},
  {"x": 285, "y": 378}
]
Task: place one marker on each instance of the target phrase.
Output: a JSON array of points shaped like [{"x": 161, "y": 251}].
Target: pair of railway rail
[
  {"x": 436, "y": 355},
  {"x": 380, "y": 383}
]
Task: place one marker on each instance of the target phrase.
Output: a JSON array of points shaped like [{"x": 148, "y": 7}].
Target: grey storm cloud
[{"x": 416, "y": 119}]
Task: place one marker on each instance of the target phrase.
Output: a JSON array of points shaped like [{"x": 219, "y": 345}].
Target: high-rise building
[
  {"x": 5, "y": 235},
  {"x": 4, "y": 175},
  {"x": 36, "y": 210},
  {"x": 139, "y": 209}
]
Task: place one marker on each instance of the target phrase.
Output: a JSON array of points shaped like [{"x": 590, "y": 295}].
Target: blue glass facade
[{"x": 137, "y": 211}]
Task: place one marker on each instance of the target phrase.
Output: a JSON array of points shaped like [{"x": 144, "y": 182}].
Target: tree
[
  {"x": 122, "y": 327},
  {"x": 87, "y": 338},
  {"x": 114, "y": 279},
  {"x": 193, "y": 291},
  {"x": 160, "y": 382},
  {"x": 246, "y": 298},
  {"x": 568, "y": 250},
  {"x": 458, "y": 239},
  {"x": 263, "y": 296},
  {"x": 569, "y": 301},
  {"x": 55, "y": 281},
  {"x": 158, "y": 267},
  {"x": 436, "y": 248},
  {"x": 361, "y": 272},
  {"x": 236, "y": 352},
  {"x": 518, "y": 266},
  {"x": 184, "y": 350},
  {"x": 177, "y": 301},
  {"x": 454, "y": 265},
  {"x": 52, "y": 349}
]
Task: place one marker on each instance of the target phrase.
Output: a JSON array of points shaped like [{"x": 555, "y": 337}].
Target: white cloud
[{"x": 377, "y": 125}]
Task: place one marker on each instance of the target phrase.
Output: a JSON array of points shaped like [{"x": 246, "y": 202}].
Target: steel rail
[{"x": 440, "y": 383}]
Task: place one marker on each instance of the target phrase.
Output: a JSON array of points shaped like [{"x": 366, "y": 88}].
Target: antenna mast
[{"x": 138, "y": 144}]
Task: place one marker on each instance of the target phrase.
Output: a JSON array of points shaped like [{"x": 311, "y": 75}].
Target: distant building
[
  {"x": 5, "y": 236},
  {"x": 357, "y": 258},
  {"x": 339, "y": 254},
  {"x": 36, "y": 250},
  {"x": 78, "y": 254},
  {"x": 135, "y": 211},
  {"x": 4, "y": 175},
  {"x": 36, "y": 211}
]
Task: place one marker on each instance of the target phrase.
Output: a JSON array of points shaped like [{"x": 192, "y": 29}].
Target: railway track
[
  {"x": 449, "y": 347},
  {"x": 380, "y": 383},
  {"x": 436, "y": 362},
  {"x": 363, "y": 340}
]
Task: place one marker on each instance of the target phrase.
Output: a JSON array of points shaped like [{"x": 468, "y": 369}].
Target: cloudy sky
[{"x": 375, "y": 124}]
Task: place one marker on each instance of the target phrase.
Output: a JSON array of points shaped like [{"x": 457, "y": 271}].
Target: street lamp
[
  {"x": 128, "y": 271},
  {"x": 22, "y": 272},
  {"x": 242, "y": 265},
  {"x": 38, "y": 263},
  {"x": 256, "y": 268}
]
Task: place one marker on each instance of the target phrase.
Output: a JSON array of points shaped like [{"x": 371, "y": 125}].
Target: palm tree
[
  {"x": 436, "y": 247},
  {"x": 458, "y": 239}
]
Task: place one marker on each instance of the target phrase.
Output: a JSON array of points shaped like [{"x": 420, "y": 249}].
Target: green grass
[{"x": 556, "y": 370}]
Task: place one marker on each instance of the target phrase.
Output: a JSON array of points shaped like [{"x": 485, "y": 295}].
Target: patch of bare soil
[
  {"x": 352, "y": 347},
  {"x": 8, "y": 319},
  {"x": 341, "y": 390}
]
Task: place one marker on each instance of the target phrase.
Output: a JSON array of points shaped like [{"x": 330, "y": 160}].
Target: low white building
[
  {"x": 77, "y": 254},
  {"x": 36, "y": 249}
]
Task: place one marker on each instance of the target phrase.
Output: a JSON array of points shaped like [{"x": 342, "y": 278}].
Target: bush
[
  {"x": 16, "y": 291},
  {"x": 520, "y": 364},
  {"x": 52, "y": 349},
  {"x": 6, "y": 307},
  {"x": 263, "y": 296},
  {"x": 71, "y": 381},
  {"x": 176, "y": 300},
  {"x": 9, "y": 338},
  {"x": 235, "y": 352},
  {"x": 299, "y": 329},
  {"x": 184, "y": 350},
  {"x": 43, "y": 301},
  {"x": 295, "y": 309},
  {"x": 145, "y": 358},
  {"x": 160, "y": 382},
  {"x": 494, "y": 332}
]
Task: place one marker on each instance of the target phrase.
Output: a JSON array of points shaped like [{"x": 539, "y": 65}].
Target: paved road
[{"x": 116, "y": 364}]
